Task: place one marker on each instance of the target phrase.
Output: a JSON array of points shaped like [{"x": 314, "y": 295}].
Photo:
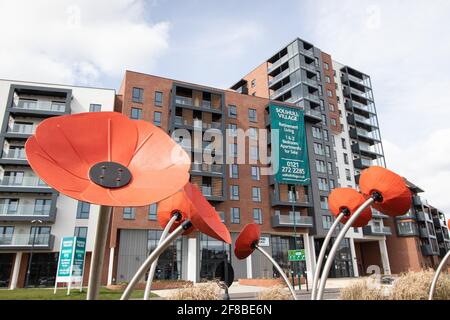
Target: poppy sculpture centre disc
[{"x": 110, "y": 174}]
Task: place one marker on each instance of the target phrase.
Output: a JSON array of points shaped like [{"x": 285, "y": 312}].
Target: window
[
  {"x": 158, "y": 98},
  {"x": 322, "y": 105},
  {"x": 152, "y": 211},
  {"x": 232, "y": 112},
  {"x": 329, "y": 93},
  {"x": 222, "y": 216},
  {"x": 157, "y": 118},
  {"x": 252, "y": 115},
  {"x": 318, "y": 149},
  {"x": 326, "y": 66},
  {"x": 13, "y": 178},
  {"x": 129, "y": 213},
  {"x": 330, "y": 168},
  {"x": 319, "y": 78},
  {"x": 253, "y": 133},
  {"x": 317, "y": 133},
  {"x": 327, "y": 79},
  {"x": 328, "y": 151},
  {"x": 234, "y": 192},
  {"x": 235, "y": 215},
  {"x": 39, "y": 235},
  {"x": 334, "y": 141},
  {"x": 316, "y": 61},
  {"x": 331, "y": 107},
  {"x": 345, "y": 158},
  {"x": 320, "y": 166},
  {"x": 232, "y": 129},
  {"x": 233, "y": 149},
  {"x": 80, "y": 232},
  {"x": 327, "y": 222},
  {"x": 255, "y": 173},
  {"x": 347, "y": 175},
  {"x": 256, "y": 194},
  {"x": 253, "y": 83},
  {"x": 93, "y": 107},
  {"x": 6, "y": 235},
  {"x": 344, "y": 144},
  {"x": 138, "y": 95},
  {"x": 83, "y": 210},
  {"x": 324, "y": 119},
  {"x": 234, "y": 171},
  {"x": 257, "y": 215},
  {"x": 254, "y": 152},
  {"x": 136, "y": 114},
  {"x": 333, "y": 122},
  {"x": 325, "y": 135},
  {"x": 10, "y": 206},
  {"x": 320, "y": 90},
  {"x": 323, "y": 184},
  {"x": 42, "y": 206},
  {"x": 332, "y": 185},
  {"x": 324, "y": 202}
]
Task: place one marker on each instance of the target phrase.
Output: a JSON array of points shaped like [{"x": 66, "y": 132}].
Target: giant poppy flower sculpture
[
  {"x": 193, "y": 212},
  {"x": 381, "y": 188},
  {"x": 438, "y": 271},
  {"x": 107, "y": 159},
  {"x": 343, "y": 203},
  {"x": 248, "y": 241}
]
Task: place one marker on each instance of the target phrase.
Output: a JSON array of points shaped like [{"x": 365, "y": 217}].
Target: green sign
[
  {"x": 289, "y": 145},
  {"x": 296, "y": 255},
  {"x": 66, "y": 257},
  {"x": 78, "y": 260}
]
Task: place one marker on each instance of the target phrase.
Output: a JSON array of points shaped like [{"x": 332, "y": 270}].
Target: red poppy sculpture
[
  {"x": 439, "y": 271},
  {"x": 383, "y": 189},
  {"x": 343, "y": 203},
  {"x": 247, "y": 242},
  {"x": 392, "y": 196},
  {"x": 107, "y": 159},
  {"x": 194, "y": 212}
]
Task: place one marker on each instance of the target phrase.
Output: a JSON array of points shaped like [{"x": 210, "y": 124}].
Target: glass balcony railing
[
  {"x": 208, "y": 168},
  {"x": 369, "y": 121},
  {"x": 312, "y": 97},
  {"x": 17, "y": 154},
  {"x": 41, "y": 105},
  {"x": 12, "y": 181},
  {"x": 367, "y": 134},
  {"x": 183, "y": 100},
  {"x": 290, "y": 220},
  {"x": 360, "y": 93},
  {"x": 23, "y": 210},
  {"x": 21, "y": 128},
  {"x": 206, "y": 190},
  {"x": 278, "y": 63},
  {"x": 25, "y": 240},
  {"x": 308, "y": 53},
  {"x": 310, "y": 67},
  {"x": 313, "y": 112},
  {"x": 309, "y": 81}
]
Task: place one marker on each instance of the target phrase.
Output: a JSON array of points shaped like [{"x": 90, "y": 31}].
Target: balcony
[
  {"x": 365, "y": 151},
  {"x": 291, "y": 220},
  {"x": 378, "y": 214},
  {"x": 23, "y": 241},
  {"x": 199, "y": 168},
  {"x": 205, "y": 105},
  {"x": 24, "y": 184},
  {"x": 361, "y": 163},
  {"x": 279, "y": 76},
  {"x": 365, "y": 136},
  {"x": 408, "y": 215},
  {"x": 423, "y": 232},
  {"x": 14, "y": 156},
  {"x": 278, "y": 63},
  {"x": 18, "y": 130},
  {"x": 421, "y": 216},
  {"x": 363, "y": 109},
  {"x": 310, "y": 67},
  {"x": 426, "y": 250},
  {"x": 376, "y": 231},
  {"x": 309, "y": 53},
  {"x": 310, "y": 82},
  {"x": 39, "y": 108},
  {"x": 314, "y": 115},
  {"x": 211, "y": 192},
  {"x": 367, "y": 123},
  {"x": 288, "y": 200},
  {"x": 417, "y": 201},
  {"x": 348, "y": 91}
]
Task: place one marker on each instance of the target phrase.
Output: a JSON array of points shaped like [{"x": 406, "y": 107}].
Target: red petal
[
  {"x": 350, "y": 199},
  {"x": 249, "y": 235}
]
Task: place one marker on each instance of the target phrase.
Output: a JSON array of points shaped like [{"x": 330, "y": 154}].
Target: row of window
[
  {"x": 234, "y": 193},
  {"x": 232, "y": 113},
  {"x": 138, "y": 96},
  {"x": 255, "y": 172},
  {"x": 136, "y": 114}
]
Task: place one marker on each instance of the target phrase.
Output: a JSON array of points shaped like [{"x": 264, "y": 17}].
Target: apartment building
[
  {"x": 422, "y": 237},
  {"x": 33, "y": 216}
]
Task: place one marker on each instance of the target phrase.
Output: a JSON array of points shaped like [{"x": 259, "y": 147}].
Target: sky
[{"x": 403, "y": 45}]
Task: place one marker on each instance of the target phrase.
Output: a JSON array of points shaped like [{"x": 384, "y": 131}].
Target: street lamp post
[{"x": 31, "y": 252}]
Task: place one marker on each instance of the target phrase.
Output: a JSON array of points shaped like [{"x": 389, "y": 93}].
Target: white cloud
[
  {"x": 77, "y": 42},
  {"x": 403, "y": 46}
]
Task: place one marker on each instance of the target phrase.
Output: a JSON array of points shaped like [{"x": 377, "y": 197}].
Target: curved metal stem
[
  {"x": 101, "y": 236},
  {"x": 151, "y": 273},
  {"x": 323, "y": 250},
  {"x": 336, "y": 244},
  {"x": 436, "y": 276},
  {"x": 152, "y": 257},
  {"x": 279, "y": 270}
]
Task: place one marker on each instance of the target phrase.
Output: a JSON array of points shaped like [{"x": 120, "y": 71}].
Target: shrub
[
  {"x": 416, "y": 286},
  {"x": 274, "y": 293},
  {"x": 207, "y": 291},
  {"x": 362, "y": 290}
]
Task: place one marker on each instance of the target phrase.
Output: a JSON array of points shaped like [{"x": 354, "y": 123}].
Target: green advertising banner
[
  {"x": 296, "y": 255},
  {"x": 78, "y": 261},
  {"x": 65, "y": 257},
  {"x": 289, "y": 145}
]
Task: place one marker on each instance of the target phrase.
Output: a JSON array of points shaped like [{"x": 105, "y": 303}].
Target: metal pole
[
  {"x": 279, "y": 270},
  {"x": 101, "y": 235},
  {"x": 323, "y": 250},
  {"x": 151, "y": 273},
  {"x": 334, "y": 248},
  {"x": 436, "y": 275},
  {"x": 31, "y": 256},
  {"x": 152, "y": 257}
]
